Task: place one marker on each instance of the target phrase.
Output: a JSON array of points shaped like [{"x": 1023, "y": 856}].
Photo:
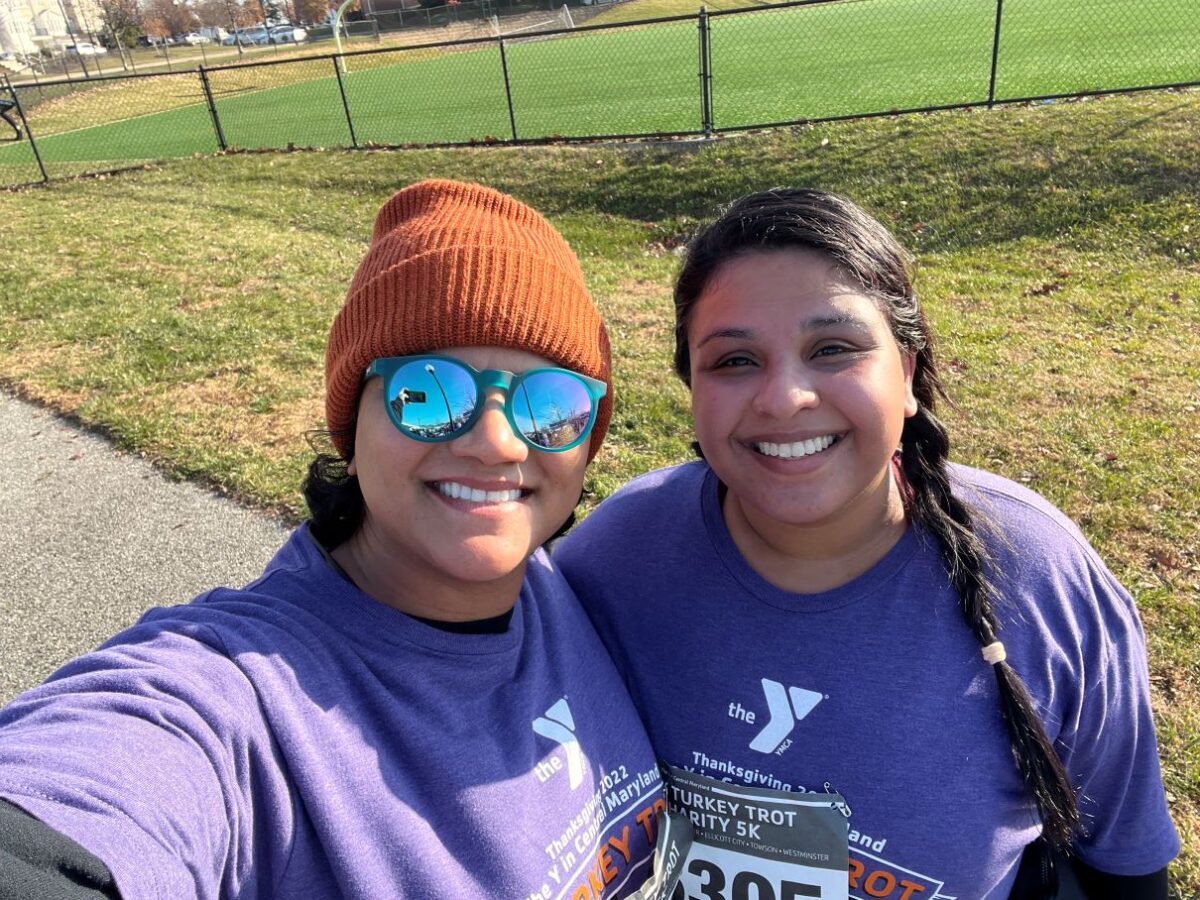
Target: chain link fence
[{"x": 544, "y": 78}]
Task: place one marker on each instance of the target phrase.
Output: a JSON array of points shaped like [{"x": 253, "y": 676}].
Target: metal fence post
[
  {"x": 995, "y": 54},
  {"x": 337, "y": 70},
  {"x": 12, "y": 92},
  {"x": 512, "y": 119},
  {"x": 706, "y": 112},
  {"x": 212, "y": 108}
]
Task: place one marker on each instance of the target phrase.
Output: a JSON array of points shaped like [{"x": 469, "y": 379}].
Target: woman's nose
[
  {"x": 784, "y": 391},
  {"x": 491, "y": 439}
]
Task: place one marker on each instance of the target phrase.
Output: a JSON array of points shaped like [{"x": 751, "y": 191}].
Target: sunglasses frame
[{"x": 387, "y": 367}]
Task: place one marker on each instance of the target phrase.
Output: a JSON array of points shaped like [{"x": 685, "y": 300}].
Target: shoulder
[
  {"x": 555, "y": 604},
  {"x": 544, "y": 580},
  {"x": 198, "y": 647},
  {"x": 1044, "y": 567},
  {"x": 1052, "y": 585},
  {"x": 682, "y": 479},
  {"x": 1019, "y": 521},
  {"x": 295, "y": 586},
  {"x": 659, "y": 495},
  {"x": 644, "y": 517}
]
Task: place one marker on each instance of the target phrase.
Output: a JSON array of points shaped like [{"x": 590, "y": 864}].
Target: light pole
[
  {"x": 337, "y": 34},
  {"x": 529, "y": 403},
  {"x": 445, "y": 399}
]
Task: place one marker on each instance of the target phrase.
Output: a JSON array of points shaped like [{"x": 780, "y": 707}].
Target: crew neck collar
[{"x": 340, "y": 602}]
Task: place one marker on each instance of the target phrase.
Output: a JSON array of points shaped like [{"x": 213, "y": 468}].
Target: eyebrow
[{"x": 816, "y": 323}]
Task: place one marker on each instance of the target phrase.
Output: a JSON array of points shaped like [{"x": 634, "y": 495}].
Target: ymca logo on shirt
[
  {"x": 785, "y": 707},
  {"x": 559, "y": 726}
]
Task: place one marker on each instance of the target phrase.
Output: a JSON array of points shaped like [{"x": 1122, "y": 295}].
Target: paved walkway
[{"x": 92, "y": 537}]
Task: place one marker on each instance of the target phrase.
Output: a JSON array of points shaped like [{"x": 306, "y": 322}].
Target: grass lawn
[
  {"x": 768, "y": 65},
  {"x": 184, "y": 310}
]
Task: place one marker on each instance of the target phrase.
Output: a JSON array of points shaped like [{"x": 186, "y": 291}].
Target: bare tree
[
  {"x": 227, "y": 14},
  {"x": 122, "y": 19},
  {"x": 312, "y": 10},
  {"x": 164, "y": 18}
]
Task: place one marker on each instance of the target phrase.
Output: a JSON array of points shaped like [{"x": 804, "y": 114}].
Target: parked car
[
  {"x": 288, "y": 34},
  {"x": 193, "y": 39},
  {"x": 86, "y": 48},
  {"x": 252, "y": 36},
  {"x": 243, "y": 36}
]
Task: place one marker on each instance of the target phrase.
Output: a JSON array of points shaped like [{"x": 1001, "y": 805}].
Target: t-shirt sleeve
[
  {"x": 1078, "y": 644},
  {"x": 1108, "y": 742},
  {"x": 138, "y": 752}
]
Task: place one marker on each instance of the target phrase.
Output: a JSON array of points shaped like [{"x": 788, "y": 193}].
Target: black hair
[
  {"x": 793, "y": 218},
  {"x": 335, "y": 501}
]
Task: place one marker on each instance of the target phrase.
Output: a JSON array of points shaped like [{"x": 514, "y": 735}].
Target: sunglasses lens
[
  {"x": 431, "y": 398},
  {"x": 552, "y": 409}
]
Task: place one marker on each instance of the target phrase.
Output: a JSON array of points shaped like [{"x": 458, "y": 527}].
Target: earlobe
[
  {"x": 352, "y": 467},
  {"x": 909, "y": 362}
]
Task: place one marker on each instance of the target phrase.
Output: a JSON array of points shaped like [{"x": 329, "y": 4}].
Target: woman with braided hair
[{"x": 960, "y": 664}]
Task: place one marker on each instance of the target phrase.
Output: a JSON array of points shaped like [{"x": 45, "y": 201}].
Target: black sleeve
[
  {"x": 1046, "y": 873},
  {"x": 1099, "y": 885},
  {"x": 39, "y": 863}
]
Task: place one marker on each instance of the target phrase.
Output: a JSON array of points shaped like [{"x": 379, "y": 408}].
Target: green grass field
[{"x": 768, "y": 65}]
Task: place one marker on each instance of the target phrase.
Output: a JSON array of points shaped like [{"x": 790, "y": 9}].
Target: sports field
[{"x": 768, "y": 66}]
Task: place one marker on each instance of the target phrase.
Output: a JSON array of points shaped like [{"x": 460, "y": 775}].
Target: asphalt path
[{"x": 91, "y": 538}]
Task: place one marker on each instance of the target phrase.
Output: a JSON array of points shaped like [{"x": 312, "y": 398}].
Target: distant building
[{"x": 27, "y": 26}]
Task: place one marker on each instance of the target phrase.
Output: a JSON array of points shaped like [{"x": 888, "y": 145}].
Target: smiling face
[
  {"x": 799, "y": 395},
  {"x": 445, "y": 518}
]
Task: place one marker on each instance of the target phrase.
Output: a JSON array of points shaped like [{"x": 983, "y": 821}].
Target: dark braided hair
[{"x": 791, "y": 218}]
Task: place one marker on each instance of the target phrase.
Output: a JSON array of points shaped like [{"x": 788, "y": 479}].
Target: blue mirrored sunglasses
[{"x": 436, "y": 398}]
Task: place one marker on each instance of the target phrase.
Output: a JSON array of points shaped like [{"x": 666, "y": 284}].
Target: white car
[
  {"x": 193, "y": 39},
  {"x": 288, "y": 34},
  {"x": 252, "y": 36},
  {"x": 86, "y": 48}
]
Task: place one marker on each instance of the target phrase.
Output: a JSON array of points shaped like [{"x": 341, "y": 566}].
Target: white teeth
[
  {"x": 456, "y": 491},
  {"x": 797, "y": 449}
]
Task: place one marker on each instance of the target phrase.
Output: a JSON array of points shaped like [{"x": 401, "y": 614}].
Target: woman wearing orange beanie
[{"x": 409, "y": 702}]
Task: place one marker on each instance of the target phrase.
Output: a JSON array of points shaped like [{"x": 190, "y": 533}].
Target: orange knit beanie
[{"x": 460, "y": 265}]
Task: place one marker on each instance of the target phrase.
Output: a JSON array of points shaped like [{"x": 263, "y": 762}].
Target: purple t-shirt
[
  {"x": 878, "y": 687},
  {"x": 298, "y": 739}
]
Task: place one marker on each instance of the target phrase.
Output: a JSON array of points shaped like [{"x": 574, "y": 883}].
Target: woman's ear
[
  {"x": 352, "y": 467},
  {"x": 908, "y": 362}
]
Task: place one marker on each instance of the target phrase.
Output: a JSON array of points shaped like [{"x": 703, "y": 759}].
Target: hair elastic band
[{"x": 994, "y": 653}]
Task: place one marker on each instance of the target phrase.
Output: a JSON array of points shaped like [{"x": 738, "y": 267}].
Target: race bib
[{"x": 758, "y": 844}]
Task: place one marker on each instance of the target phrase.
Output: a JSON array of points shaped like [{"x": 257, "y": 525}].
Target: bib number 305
[{"x": 713, "y": 884}]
